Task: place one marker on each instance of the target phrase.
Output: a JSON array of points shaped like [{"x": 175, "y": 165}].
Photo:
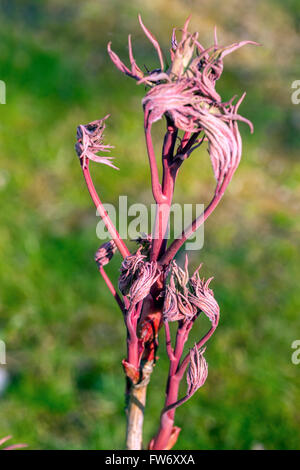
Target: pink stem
[
  {"x": 170, "y": 170},
  {"x": 185, "y": 139},
  {"x": 156, "y": 186},
  {"x": 161, "y": 225},
  {"x": 16, "y": 446},
  {"x": 187, "y": 143},
  {"x": 132, "y": 340},
  {"x": 103, "y": 214},
  {"x": 168, "y": 342},
  {"x": 176, "y": 373},
  {"x": 177, "y": 244},
  {"x": 182, "y": 368},
  {"x": 161, "y": 440},
  {"x": 132, "y": 350},
  {"x": 168, "y": 182},
  {"x": 112, "y": 288}
]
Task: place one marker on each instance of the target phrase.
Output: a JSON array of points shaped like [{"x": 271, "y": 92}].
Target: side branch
[
  {"x": 103, "y": 214},
  {"x": 182, "y": 368},
  {"x": 112, "y": 289},
  {"x": 187, "y": 232}
]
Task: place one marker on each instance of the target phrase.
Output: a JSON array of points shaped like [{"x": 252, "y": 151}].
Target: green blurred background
[{"x": 62, "y": 387}]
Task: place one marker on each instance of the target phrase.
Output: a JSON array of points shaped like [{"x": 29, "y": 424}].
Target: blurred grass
[{"x": 64, "y": 335}]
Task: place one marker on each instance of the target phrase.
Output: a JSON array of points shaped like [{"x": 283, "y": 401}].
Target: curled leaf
[
  {"x": 90, "y": 142},
  {"x": 105, "y": 253},
  {"x": 197, "y": 372}
]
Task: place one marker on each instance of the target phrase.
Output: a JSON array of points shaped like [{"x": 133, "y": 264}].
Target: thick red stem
[
  {"x": 162, "y": 438},
  {"x": 168, "y": 182}
]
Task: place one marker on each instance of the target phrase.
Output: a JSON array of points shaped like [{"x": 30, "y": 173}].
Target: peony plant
[{"x": 153, "y": 290}]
